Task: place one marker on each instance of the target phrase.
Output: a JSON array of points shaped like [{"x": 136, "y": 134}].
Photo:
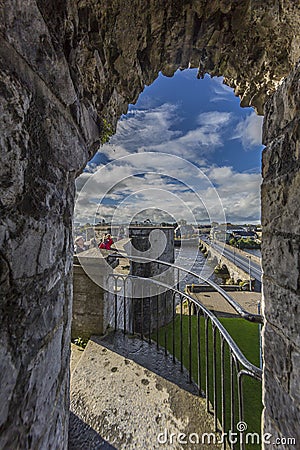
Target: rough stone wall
[
  {"x": 42, "y": 148},
  {"x": 252, "y": 44},
  {"x": 64, "y": 66},
  {"x": 91, "y": 309},
  {"x": 152, "y": 306},
  {"x": 88, "y": 305},
  {"x": 281, "y": 260}
]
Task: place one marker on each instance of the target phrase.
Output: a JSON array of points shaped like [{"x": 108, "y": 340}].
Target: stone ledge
[{"x": 143, "y": 403}]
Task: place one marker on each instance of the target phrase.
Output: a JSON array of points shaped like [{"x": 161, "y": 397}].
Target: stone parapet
[
  {"x": 280, "y": 261},
  {"x": 90, "y": 310},
  {"x": 156, "y": 307}
]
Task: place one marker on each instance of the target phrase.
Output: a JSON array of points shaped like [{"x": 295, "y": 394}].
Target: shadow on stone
[
  {"x": 148, "y": 356},
  {"x": 83, "y": 437}
]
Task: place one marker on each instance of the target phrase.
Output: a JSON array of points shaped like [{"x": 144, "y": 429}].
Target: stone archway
[{"x": 67, "y": 70}]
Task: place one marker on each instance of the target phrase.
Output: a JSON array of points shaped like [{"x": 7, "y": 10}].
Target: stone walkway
[
  {"x": 218, "y": 305},
  {"x": 125, "y": 395}
]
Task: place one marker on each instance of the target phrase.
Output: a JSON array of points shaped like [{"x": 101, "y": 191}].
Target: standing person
[
  {"x": 79, "y": 245},
  {"x": 108, "y": 242},
  {"x": 102, "y": 244}
]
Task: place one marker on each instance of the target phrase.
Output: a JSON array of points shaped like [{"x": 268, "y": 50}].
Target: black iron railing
[
  {"x": 258, "y": 318},
  {"x": 194, "y": 338}
]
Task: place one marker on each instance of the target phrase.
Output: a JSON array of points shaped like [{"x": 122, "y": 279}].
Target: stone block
[
  {"x": 8, "y": 379},
  {"x": 277, "y": 355},
  {"x": 281, "y": 157},
  {"x": 280, "y": 259},
  {"x": 281, "y": 407},
  {"x": 53, "y": 96},
  {"x": 88, "y": 302},
  {"x": 282, "y": 108},
  {"x": 41, "y": 388},
  {"x": 294, "y": 376},
  {"x": 269, "y": 426},
  {"x": 281, "y": 308},
  {"x": 155, "y": 243},
  {"x": 281, "y": 204}
]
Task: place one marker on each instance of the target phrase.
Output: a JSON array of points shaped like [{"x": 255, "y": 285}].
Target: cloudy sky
[{"x": 186, "y": 150}]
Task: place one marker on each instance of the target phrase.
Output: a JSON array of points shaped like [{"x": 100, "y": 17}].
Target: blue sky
[{"x": 176, "y": 123}]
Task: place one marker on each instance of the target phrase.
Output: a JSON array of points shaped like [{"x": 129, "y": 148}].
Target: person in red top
[{"x": 106, "y": 242}]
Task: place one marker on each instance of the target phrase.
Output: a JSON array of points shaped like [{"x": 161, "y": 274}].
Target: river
[{"x": 191, "y": 259}]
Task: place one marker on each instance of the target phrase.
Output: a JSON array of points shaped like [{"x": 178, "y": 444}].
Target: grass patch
[{"x": 246, "y": 335}]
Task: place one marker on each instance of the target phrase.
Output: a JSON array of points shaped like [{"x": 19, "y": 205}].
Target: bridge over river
[{"x": 238, "y": 264}]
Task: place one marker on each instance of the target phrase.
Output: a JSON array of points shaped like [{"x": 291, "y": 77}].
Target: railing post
[
  {"x": 199, "y": 349},
  {"x": 116, "y": 302},
  {"x": 157, "y": 323},
  {"x": 165, "y": 320},
  {"x": 173, "y": 327},
  {"x": 215, "y": 378},
  {"x": 223, "y": 388},
  {"x": 142, "y": 312},
  {"x": 150, "y": 310},
  {"x": 124, "y": 309},
  {"x": 181, "y": 351},
  {"x": 190, "y": 341},
  {"x": 241, "y": 406},
  {"x": 232, "y": 395},
  {"x": 206, "y": 364}
]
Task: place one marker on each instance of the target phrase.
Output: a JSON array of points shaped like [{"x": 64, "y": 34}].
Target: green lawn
[{"x": 246, "y": 335}]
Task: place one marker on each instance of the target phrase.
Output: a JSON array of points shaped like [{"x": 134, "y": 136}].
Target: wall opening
[{"x": 186, "y": 152}]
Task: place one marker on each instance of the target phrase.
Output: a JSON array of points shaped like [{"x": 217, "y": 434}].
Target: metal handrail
[
  {"x": 257, "y": 318},
  {"x": 255, "y": 371},
  {"x": 155, "y": 319}
]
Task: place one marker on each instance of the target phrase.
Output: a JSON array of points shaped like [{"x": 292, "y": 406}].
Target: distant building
[{"x": 242, "y": 234}]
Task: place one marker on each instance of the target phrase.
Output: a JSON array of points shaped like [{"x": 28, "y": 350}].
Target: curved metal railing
[
  {"x": 194, "y": 337},
  {"x": 243, "y": 313}
]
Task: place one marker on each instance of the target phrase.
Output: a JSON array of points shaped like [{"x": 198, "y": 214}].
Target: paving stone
[{"x": 128, "y": 404}]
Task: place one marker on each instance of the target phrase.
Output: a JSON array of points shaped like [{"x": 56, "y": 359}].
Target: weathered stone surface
[
  {"x": 280, "y": 257},
  {"x": 282, "y": 112},
  {"x": 166, "y": 35},
  {"x": 143, "y": 403},
  {"x": 91, "y": 312},
  {"x": 282, "y": 203},
  {"x": 153, "y": 304},
  {"x": 65, "y": 66},
  {"x": 76, "y": 354},
  {"x": 278, "y": 357},
  {"x": 282, "y": 309},
  {"x": 280, "y": 407},
  {"x": 88, "y": 305},
  {"x": 294, "y": 376},
  {"x": 282, "y": 262},
  {"x": 269, "y": 424}
]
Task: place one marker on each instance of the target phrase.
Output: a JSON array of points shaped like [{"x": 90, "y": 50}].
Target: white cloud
[
  {"x": 168, "y": 183},
  {"x": 152, "y": 181},
  {"x": 220, "y": 91},
  {"x": 249, "y": 131},
  {"x": 239, "y": 193},
  {"x": 154, "y": 130},
  {"x": 214, "y": 119},
  {"x": 147, "y": 180}
]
